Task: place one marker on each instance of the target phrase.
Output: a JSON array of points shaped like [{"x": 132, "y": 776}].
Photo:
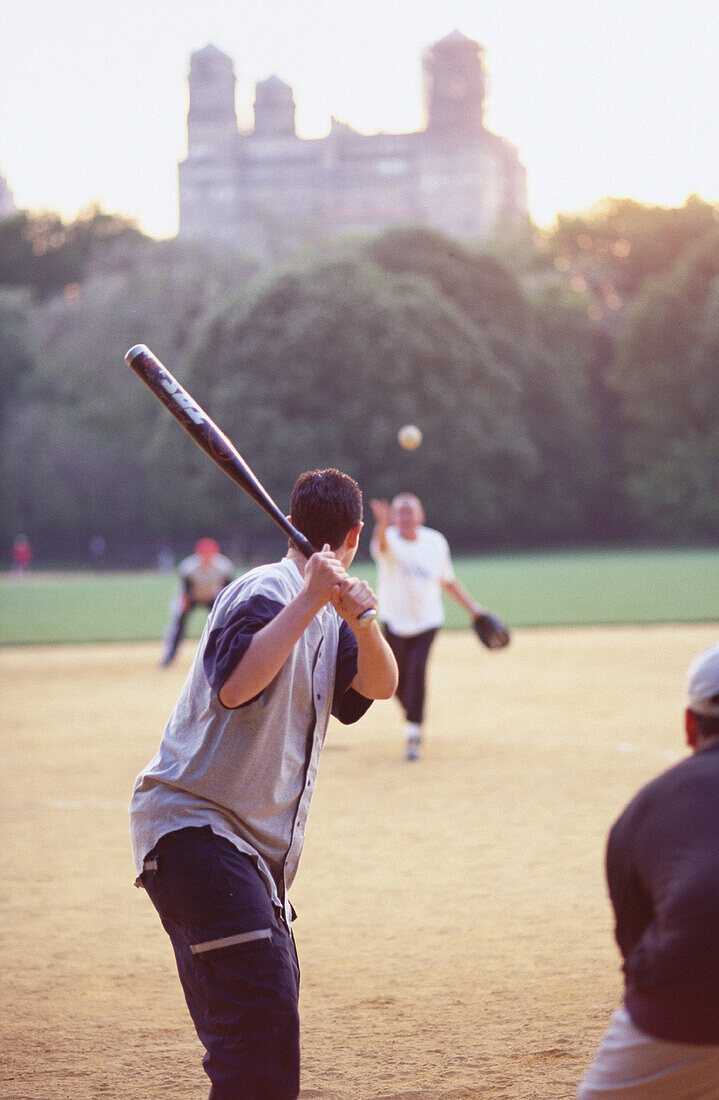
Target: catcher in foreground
[{"x": 414, "y": 568}]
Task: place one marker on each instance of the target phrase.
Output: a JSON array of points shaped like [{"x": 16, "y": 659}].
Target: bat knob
[
  {"x": 368, "y": 616},
  {"x": 135, "y": 351}
]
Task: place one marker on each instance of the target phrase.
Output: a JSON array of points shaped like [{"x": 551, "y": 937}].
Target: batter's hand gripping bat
[{"x": 213, "y": 442}]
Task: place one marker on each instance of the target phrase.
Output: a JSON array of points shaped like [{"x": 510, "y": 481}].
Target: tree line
[{"x": 565, "y": 381}]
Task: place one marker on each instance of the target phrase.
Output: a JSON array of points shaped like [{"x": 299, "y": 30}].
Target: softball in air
[{"x": 409, "y": 437}]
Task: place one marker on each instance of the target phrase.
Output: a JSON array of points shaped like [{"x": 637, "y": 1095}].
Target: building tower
[
  {"x": 274, "y": 109},
  {"x": 454, "y": 87},
  {"x": 211, "y": 119},
  {"x": 7, "y": 202},
  {"x": 208, "y": 186}
]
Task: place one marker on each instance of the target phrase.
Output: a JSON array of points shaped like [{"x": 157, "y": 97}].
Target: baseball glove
[{"x": 490, "y": 630}]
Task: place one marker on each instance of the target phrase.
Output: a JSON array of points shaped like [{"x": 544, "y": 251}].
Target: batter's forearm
[{"x": 377, "y": 675}]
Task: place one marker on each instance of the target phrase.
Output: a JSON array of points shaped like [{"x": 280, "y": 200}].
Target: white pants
[{"x": 631, "y": 1065}]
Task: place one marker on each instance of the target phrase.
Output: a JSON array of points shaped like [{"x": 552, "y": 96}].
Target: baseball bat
[{"x": 213, "y": 442}]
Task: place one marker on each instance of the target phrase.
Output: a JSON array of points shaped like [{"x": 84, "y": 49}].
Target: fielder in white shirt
[{"x": 414, "y": 567}]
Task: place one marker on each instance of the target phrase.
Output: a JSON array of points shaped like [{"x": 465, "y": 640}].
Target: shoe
[{"x": 412, "y": 745}]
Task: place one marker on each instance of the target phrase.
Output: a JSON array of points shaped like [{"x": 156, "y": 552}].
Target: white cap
[{"x": 703, "y": 683}]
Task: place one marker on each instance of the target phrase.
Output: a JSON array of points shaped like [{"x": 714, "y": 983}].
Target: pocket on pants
[
  {"x": 202, "y": 883},
  {"x": 231, "y": 944},
  {"x": 241, "y": 976}
]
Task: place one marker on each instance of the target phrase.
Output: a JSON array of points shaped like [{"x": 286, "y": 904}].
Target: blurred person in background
[
  {"x": 414, "y": 568},
  {"x": 203, "y": 575},
  {"x": 22, "y": 555}
]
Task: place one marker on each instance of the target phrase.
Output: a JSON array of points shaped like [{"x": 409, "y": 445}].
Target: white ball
[{"x": 409, "y": 437}]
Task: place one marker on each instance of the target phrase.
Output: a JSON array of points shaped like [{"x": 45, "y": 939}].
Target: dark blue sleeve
[
  {"x": 347, "y": 704},
  {"x": 227, "y": 644}
]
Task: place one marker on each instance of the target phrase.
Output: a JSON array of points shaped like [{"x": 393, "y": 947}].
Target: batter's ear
[
  {"x": 690, "y": 725},
  {"x": 352, "y": 538}
]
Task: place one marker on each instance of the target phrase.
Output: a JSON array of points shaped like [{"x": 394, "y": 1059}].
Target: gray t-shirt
[{"x": 249, "y": 771}]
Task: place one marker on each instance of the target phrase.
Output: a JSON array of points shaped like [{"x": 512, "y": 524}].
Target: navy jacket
[{"x": 662, "y": 867}]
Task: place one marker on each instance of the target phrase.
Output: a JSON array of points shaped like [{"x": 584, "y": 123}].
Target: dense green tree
[
  {"x": 477, "y": 283},
  {"x": 322, "y": 364},
  {"x": 17, "y": 360},
  {"x": 17, "y": 354},
  {"x": 543, "y": 337},
  {"x": 91, "y": 475},
  {"x": 47, "y": 255},
  {"x": 676, "y": 493},
  {"x": 621, "y": 243},
  {"x": 535, "y": 430},
  {"x": 666, "y": 377},
  {"x": 553, "y": 359},
  {"x": 521, "y": 248}
]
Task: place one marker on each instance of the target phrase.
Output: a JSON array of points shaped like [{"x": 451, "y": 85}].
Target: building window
[{"x": 391, "y": 166}]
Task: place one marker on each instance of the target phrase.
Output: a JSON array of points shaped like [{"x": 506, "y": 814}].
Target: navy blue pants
[
  {"x": 176, "y": 628},
  {"x": 411, "y": 654},
  {"x": 236, "y": 961}
]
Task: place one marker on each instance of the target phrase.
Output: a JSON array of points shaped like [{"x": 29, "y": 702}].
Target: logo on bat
[{"x": 183, "y": 399}]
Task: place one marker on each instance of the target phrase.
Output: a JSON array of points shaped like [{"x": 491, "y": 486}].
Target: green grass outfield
[{"x": 560, "y": 589}]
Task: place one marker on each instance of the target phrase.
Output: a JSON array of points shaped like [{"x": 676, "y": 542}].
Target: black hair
[{"x": 325, "y": 505}]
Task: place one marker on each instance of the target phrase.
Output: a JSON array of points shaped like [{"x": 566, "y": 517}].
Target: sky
[{"x": 602, "y": 97}]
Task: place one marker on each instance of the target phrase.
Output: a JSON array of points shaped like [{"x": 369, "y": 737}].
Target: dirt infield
[{"x": 454, "y": 932}]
